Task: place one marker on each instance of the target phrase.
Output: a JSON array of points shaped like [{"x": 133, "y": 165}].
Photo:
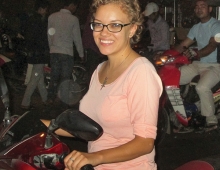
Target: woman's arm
[
  {"x": 59, "y": 132},
  {"x": 137, "y": 147}
]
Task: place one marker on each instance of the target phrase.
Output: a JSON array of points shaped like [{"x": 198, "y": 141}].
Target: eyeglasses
[{"x": 113, "y": 27}]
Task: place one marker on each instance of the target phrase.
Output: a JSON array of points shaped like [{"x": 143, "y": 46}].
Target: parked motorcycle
[
  {"x": 78, "y": 83},
  {"x": 13, "y": 56},
  {"x": 180, "y": 105},
  {"x": 13, "y": 61},
  {"x": 26, "y": 143}
]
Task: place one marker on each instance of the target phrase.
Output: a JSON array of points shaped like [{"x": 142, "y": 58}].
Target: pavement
[{"x": 173, "y": 151}]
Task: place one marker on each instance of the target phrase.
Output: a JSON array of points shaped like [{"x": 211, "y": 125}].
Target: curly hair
[{"x": 129, "y": 7}]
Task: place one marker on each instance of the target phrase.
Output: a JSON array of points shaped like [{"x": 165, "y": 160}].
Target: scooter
[
  {"x": 13, "y": 61},
  {"x": 26, "y": 143},
  {"x": 78, "y": 84},
  {"x": 180, "y": 105},
  {"x": 13, "y": 56}
]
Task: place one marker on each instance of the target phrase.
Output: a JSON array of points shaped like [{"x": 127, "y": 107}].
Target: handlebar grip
[{"x": 87, "y": 167}]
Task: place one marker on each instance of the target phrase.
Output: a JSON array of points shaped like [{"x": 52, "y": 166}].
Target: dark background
[{"x": 12, "y": 8}]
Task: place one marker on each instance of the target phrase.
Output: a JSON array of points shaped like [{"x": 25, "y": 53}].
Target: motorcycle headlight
[{"x": 164, "y": 59}]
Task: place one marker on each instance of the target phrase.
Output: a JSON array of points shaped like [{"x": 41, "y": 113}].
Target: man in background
[
  {"x": 37, "y": 44},
  {"x": 158, "y": 28},
  {"x": 206, "y": 34},
  {"x": 63, "y": 32}
]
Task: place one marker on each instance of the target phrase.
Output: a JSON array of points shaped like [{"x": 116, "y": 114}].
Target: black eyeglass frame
[{"x": 122, "y": 25}]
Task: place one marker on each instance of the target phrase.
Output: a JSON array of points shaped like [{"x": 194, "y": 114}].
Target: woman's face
[{"x": 110, "y": 43}]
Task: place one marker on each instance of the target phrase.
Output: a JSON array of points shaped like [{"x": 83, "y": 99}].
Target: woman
[{"x": 123, "y": 96}]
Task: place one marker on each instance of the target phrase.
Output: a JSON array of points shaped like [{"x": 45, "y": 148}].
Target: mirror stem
[
  {"x": 7, "y": 118},
  {"x": 48, "y": 141}
]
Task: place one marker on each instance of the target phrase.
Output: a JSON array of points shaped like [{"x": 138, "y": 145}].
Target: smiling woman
[{"x": 123, "y": 95}]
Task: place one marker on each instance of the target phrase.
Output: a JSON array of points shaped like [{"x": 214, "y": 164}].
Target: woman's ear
[{"x": 133, "y": 30}]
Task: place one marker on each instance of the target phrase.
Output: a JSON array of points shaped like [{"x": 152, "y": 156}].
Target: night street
[
  {"x": 189, "y": 33},
  {"x": 175, "y": 150}
]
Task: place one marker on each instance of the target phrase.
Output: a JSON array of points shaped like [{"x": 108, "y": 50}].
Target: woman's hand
[
  {"x": 76, "y": 160},
  {"x": 128, "y": 151}
]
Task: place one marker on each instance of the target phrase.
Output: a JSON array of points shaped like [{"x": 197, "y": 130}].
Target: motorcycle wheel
[
  {"x": 77, "y": 86},
  {"x": 80, "y": 76},
  {"x": 162, "y": 125}
]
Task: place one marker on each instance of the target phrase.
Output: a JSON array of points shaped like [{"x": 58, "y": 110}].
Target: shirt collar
[{"x": 65, "y": 11}]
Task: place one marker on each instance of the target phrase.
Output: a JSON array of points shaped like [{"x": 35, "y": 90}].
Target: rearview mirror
[{"x": 79, "y": 125}]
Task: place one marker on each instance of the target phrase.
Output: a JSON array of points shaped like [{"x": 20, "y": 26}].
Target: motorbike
[
  {"x": 13, "y": 55},
  {"x": 26, "y": 143},
  {"x": 78, "y": 83},
  {"x": 13, "y": 61},
  {"x": 180, "y": 104}
]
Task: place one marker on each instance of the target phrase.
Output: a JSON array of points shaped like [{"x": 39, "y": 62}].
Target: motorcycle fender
[
  {"x": 170, "y": 75},
  {"x": 197, "y": 164}
]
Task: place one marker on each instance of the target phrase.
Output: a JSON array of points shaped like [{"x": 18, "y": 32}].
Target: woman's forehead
[{"x": 111, "y": 12}]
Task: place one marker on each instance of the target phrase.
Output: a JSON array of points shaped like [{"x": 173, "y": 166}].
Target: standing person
[
  {"x": 36, "y": 37},
  {"x": 23, "y": 17},
  {"x": 204, "y": 33},
  {"x": 158, "y": 28},
  {"x": 63, "y": 31},
  {"x": 93, "y": 55},
  {"x": 123, "y": 96}
]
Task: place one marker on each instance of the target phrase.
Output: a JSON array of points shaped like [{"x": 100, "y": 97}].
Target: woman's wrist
[{"x": 98, "y": 158}]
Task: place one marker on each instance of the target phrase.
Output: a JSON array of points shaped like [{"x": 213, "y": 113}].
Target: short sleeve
[
  {"x": 215, "y": 29},
  {"x": 191, "y": 35}
]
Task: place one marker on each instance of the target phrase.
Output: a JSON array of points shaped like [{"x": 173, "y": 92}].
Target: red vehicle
[
  {"x": 209, "y": 163},
  {"x": 26, "y": 143},
  {"x": 180, "y": 105}
]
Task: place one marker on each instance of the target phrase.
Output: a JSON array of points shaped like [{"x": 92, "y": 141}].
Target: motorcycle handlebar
[{"x": 85, "y": 167}]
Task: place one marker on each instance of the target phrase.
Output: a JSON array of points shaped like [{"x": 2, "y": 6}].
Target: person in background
[
  {"x": 63, "y": 32},
  {"x": 93, "y": 55},
  {"x": 123, "y": 96},
  {"x": 36, "y": 37},
  {"x": 158, "y": 28},
  {"x": 205, "y": 33},
  {"x": 23, "y": 17}
]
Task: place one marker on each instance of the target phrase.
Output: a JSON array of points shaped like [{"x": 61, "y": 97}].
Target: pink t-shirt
[{"x": 125, "y": 108}]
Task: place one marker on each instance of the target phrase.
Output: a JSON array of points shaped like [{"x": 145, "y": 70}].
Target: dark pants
[{"x": 61, "y": 71}]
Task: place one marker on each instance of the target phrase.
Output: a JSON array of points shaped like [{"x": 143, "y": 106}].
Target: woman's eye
[
  {"x": 98, "y": 25},
  {"x": 115, "y": 25}
]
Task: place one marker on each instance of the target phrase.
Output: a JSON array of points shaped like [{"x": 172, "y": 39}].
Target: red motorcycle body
[
  {"x": 26, "y": 143},
  {"x": 170, "y": 75},
  {"x": 28, "y": 152}
]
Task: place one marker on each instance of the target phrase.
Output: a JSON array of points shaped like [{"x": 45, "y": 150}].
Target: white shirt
[{"x": 63, "y": 31}]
